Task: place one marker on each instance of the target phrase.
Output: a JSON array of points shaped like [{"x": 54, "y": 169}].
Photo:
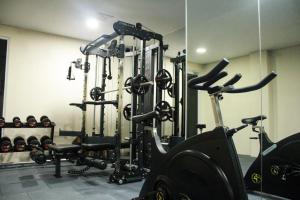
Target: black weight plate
[
  {"x": 137, "y": 87},
  {"x": 96, "y": 93},
  {"x": 17, "y": 122},
  {"x": 163, "y": 79},
  {"x": 31, "y": 121},
  {"x": 164, "y": 109},
  {"x": 127, "y": 112},
  {"x": 128, "y": 84}
]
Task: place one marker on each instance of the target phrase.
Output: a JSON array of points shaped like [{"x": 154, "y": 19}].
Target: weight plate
[
  {"x": 165, "y": 111},
  {"x": 128, "y": 84},
  {"x": 96, "y": 93},
  {"x": 139, "y": 85},
  {"x": 127, "y": 112},
  {"x": 163, "y": 79}
]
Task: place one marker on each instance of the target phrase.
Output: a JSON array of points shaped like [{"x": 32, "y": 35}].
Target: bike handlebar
[
  {"x": 215, "y": 79},
  {"x": 215, "y": 71},
  {"x": 233, "y": 80},
  {"x": 257, "y": 86}
]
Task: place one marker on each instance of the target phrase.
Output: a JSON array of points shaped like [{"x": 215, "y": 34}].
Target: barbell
[
  {"x": 163, "y": 109},
  {"x": 138, "y": 85}
]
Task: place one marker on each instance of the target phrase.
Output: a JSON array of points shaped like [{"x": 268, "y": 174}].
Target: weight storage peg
[
  {"x": 19, "y": 144},
  {"x": 45, "y": 141},
  {"x": 5, "y": 145},
  {"x": 46, "y": 122},
  {"x": 2, "y": 122},
  {"x": 17, "y": 122},
  {"x": 33, "y": 143},
  {"x": 31, "y": 121}
]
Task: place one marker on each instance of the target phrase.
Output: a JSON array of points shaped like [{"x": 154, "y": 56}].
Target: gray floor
[{"x": 38, "y": 183}]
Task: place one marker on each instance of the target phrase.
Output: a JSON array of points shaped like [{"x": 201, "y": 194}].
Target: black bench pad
[
  {"x": 62, "y": 148},
  {"x": 95, "y": 147}
]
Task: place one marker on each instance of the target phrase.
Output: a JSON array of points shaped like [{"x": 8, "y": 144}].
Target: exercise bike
[
  {"x": 276, "y": 170},
  {"x": 205, "y": 166}
]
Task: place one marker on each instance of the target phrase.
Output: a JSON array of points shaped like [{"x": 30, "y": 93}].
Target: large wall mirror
[
  {"x": 231, "y": 30},
  {"x": 280, "y": 52},
  {"x": 261, "y": 41}
]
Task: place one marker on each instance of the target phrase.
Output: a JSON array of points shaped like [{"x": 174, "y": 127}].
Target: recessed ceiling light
[
  {"x": 201, "y": 50},
  {"x": 92, "y": 23}
]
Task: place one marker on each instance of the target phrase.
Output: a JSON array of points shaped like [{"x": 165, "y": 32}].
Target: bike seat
[
  {"x": 201, "y": 126},
  {"x": 253, "y": 120}
]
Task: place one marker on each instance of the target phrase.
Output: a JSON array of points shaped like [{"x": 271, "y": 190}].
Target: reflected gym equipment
[{"x": 276, "y": 170}]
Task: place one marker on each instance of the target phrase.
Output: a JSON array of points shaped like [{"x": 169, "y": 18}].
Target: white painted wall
[{"x": 286, "y": 92}]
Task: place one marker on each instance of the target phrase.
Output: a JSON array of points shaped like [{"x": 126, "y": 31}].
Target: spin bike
[
  {"x": 276, "y": 170},
  {"x": 205, "y": 166}
]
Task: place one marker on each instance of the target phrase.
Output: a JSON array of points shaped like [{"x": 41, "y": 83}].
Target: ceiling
[
  {"x": 230, "y": 28},
  {"x": 225, "y": 28},
  {"x": 67, "y": 17}
]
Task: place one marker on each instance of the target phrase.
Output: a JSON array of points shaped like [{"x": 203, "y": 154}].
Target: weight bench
[
  {"x": 58, "y": 153},
  {"x": 97, "y": 147}
]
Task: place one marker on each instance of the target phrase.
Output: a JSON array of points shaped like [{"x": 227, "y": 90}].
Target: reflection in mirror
[
  {"x": 229, "y": 29},
  {"x": 280, "y": 138}
]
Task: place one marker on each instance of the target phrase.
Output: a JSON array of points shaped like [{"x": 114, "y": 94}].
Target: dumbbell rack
[{"x": 25, "y": 125}]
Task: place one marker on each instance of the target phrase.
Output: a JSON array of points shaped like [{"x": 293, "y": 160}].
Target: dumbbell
[
  {"x": 5, "y": 145},
  {"x": 33, "y": 143},
  {"x": 45, "y": 121},
  {"x": 17, "y": 122},
  {"x": 38, "y": 156},
  {"x": 2, "y": 122},
  {"x": 19, "y": 144},
  {"x": 31, "y": 121},
  {"x": 45, "y": 141}
]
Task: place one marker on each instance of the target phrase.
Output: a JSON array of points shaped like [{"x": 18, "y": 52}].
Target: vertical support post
[
  {"x": 177, "y": 99},
  {"x": 140, "y": 126},
  {"x": 86, "y": 70},
  {"x": 159, "y": 91},
  {"x": 103, "y": 86},
  {"x": 183, "y": 106},
  {"x": 57, "y": 166},
  {"x": 216, "y": 110},
  {"x": 119, "y": 110},
  {"x": 134, "y": 107}
]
